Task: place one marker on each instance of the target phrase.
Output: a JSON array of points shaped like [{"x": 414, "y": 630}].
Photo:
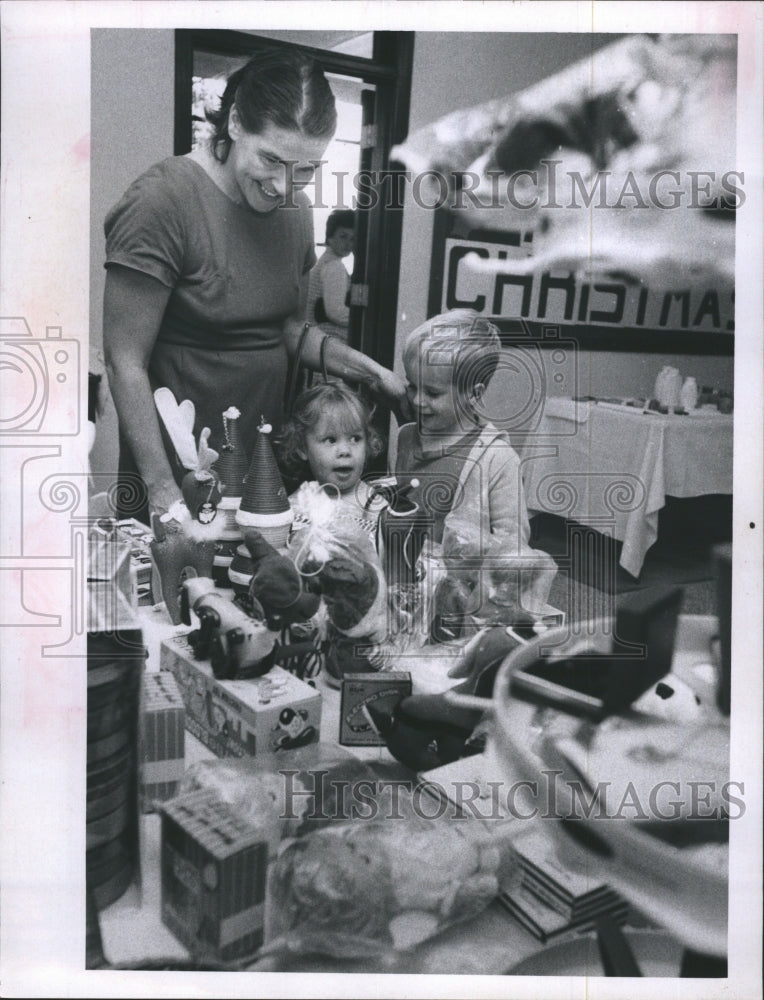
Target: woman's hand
[
  {"x": 163, "y": 496},
  {"x": 392, "y": 389}
]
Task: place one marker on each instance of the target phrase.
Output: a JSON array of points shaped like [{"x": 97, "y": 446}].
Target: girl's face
[
  {"x": 266, "y": 168},
  {"x": 336, "y": 452}
]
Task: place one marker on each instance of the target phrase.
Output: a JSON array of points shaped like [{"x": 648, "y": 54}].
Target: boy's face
[
  {"x": 341, "y": 241},
  {"x": 433, "y": 391}
]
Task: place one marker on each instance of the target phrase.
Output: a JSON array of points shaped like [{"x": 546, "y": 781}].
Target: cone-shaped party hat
[
  {"x": 231, "y": 467},
  {"x": 264, "y": 503}
]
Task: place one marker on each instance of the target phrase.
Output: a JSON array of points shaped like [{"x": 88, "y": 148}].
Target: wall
[
  {"x": 132, "y": 125},
  {"x": 459, "y": 70}
]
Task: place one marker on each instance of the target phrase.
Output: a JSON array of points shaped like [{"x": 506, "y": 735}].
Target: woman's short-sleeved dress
[{"x": 234, "y": 274}]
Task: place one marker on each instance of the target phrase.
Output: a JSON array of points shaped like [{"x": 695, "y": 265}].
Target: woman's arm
[
  {"x": 134, "y": 304},
  {"x": 346, "y": 362}
]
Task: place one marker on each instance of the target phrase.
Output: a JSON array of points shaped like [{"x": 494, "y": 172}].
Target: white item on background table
[
  {"x": 689, "y": 394},
  {"x": 668, "y": 386}
]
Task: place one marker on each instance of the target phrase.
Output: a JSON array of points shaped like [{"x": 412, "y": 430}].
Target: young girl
[{"x": 330, "y": 437}]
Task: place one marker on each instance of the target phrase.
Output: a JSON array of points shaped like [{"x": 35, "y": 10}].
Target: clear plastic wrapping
[{"x": 375, "y": 887}]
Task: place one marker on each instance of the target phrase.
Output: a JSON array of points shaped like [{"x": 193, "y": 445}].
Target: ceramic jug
[
  {"x": 689, "y": 394},
  {"x": 668, "y": 386}
]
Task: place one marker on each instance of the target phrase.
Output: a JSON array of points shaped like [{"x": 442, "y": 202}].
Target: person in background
[
  {"x": 329, "y": 285},
  {"x": 207, "y": 257}
]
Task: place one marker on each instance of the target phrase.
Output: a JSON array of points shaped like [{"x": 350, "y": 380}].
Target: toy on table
[
  {"x": 184, "y": 539},
  {"x": 238, "y": 642},
  {"x": 264, "y": 503},
  {"x": 276, "y": 585},
  {"x": 161, "y": 742},
  {"x": 424, "y": 731},
  {"x": 401, "y": 531},
  {"x": 337, "y": 558},
  {"x": 177, "y": 555},
  {"x": 231, "y": 469},
  {"x": 200, "y": 488},
  {"x": 231, "y": 466}
]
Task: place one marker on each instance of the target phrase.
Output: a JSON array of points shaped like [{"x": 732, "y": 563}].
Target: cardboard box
[
  {"x": 108, "y": 560},
  {"x": 358, "y": 690},
  {"x": 214, "y": 868},
  {"x": 161, "y": 750},
  {"x": 242, "y": 718},
  {"x": 138, "y": 536}
]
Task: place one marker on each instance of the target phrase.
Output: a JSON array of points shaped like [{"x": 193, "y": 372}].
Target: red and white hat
[{"x": 264, "y": 503}]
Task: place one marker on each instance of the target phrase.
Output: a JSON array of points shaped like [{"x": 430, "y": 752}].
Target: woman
[{"x": 207, "y": 259}]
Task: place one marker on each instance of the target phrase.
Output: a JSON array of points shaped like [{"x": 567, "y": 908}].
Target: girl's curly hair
[{"x": 349, "y": 409}]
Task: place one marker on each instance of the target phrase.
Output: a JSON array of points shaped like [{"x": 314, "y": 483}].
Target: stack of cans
[{"x": 116, "y": 658}]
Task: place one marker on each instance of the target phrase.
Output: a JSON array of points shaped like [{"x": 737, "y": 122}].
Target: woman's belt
[{"x": 261, "y": 340}]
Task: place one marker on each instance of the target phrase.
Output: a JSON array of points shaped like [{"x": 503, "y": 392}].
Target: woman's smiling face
[{"x": 267, "y": 167}]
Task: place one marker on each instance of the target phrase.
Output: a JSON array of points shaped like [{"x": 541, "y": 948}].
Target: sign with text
[{"x": 560, "y": 296}]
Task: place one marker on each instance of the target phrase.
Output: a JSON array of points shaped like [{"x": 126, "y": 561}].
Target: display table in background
[{"x": 611, "y": 467}]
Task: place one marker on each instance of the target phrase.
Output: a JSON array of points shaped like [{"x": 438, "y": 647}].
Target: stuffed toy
[
  {"x": 200, "y": 487},
  {"x": 276, "y": 585}
]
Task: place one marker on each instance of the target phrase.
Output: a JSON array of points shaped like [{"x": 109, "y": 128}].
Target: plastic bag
[
  {"x": 292, "y": 794},
  {"x": 375, "y": 887},
  {"x": 500, "y": 577},
  {"x": 341, "y": 561}
]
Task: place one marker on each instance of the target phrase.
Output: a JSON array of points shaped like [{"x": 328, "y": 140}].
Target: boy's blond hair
[{"x": 470, "y": 341}]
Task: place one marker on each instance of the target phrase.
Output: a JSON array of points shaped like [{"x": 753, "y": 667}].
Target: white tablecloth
[{"x": 612, "y": 468}]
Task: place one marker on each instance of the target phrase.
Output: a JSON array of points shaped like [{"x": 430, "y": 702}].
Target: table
[
  {"x": 132, "y": 930},
  {"x": 611, "y": 467}
]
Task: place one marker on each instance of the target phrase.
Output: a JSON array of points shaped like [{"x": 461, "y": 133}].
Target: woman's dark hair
[
  {"x": 281, "y": 87},
  {"x": 340, "y": 218},
  {"x": 348, "y": 408}
]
